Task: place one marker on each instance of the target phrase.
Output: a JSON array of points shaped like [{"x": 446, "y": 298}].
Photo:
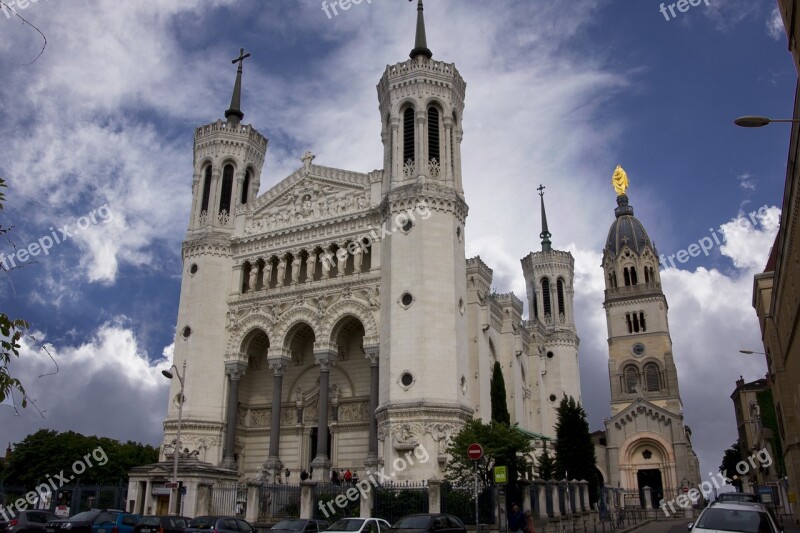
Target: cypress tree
[{"x": 498, "y": 395}]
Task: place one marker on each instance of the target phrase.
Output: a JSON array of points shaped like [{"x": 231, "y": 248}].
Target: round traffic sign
[{"x": 474, "y": 451}]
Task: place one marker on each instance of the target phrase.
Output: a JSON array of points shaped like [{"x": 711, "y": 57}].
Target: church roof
[{"x": 626, "y": 230}]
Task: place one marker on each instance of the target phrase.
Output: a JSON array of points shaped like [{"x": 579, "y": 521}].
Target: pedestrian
[
  {"x": 348, "y": 476},
  {"x": 529, "y": 522},
  {"x": 516, "y": 522},
  {"x": 303, "y": 475},
  {"x": 354, "y": 479},
  {"x": 335, "y": 477}
]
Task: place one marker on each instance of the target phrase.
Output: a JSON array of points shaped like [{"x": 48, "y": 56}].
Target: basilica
[{"x": 334, "y": 321}]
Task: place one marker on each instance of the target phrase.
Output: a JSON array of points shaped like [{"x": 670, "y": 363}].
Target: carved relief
[
  {"x": 406, "y": 436},
  {"x": 260, "y": 418},
  {"x": 354, "y": 411}
]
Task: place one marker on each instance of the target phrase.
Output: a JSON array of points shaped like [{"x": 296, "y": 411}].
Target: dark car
[
  {"x": 79, "y": 523},
  {"x": 161, "y": 524},
  {"x": 218, "y": 524},
  {"x": 300, "y": 525},
  {"x": 115, "y": 522},
  {"x": 427, "y": 523},
  {"x": 27, "y": 522}
]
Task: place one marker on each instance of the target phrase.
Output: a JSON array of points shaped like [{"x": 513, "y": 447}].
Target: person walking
[
  {"x": 529, "y": 522},
  {"x": 516, "y": 522}
]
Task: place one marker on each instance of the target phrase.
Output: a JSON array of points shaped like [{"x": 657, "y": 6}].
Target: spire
[
  {"x": 236, "y": 98},
  {"x": 420, "y": 43},
  {"x": 545, "y": 234}
]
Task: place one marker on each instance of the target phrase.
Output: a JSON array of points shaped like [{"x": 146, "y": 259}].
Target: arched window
[
  {"x": 641, "y": 321},
  {"x": 647, "y": 274},
  {"x": 651, "y": 377},
  {"x": 227, "y": 189},
  {"x": 630, "y": 324},
  {"x": 635, "y": 323},
  {"x": 206, "y": 189},
  {"x": 246, "y": 186},
  {"x": 614, "y": 279},
  {"x": 634, "y": 281},
  {"x": 631, "y": 378},
  {"x": 546, "y": 296},
  {"x": 535, "y": 304},
  {"x": 433, "y": 134},
  {"x": 627, "y": 276},
  {"x": 560, "y": 292},
  {"x": 453, "y": 144},
  {"x": 408, "y": 135}
]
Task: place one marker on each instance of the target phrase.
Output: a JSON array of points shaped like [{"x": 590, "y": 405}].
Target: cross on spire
[
  {"x": 234, "y": 113},
  {"x": 541, "y": 189},
  {"x": 545, "y": 234},
  {"x": 420, "y": 40}
]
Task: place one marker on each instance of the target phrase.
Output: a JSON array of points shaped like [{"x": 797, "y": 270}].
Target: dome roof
[{"x": 627, "y": 231}]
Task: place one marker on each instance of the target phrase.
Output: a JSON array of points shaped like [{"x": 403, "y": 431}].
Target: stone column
[
  {"x": 307, "y": 498},
  {"x": 434, "y": 496},
  {"x": 648, "y": 497},
  {"x": 273, "y": 464},
  {"x": 251, "y": 510},
  {"x": 555, "y": 498},
  {"x": 372, "y": 353},
  {"x": 584, "y": 488},
  {"x": 567, "y": 500},
  {"x": 525, "y": 485},
  {"x": 397, "y": 151},
  {"x": 542, "y": 496},
  {"x": 422, "y": 150},
  {"x": 447, "y": 169},
  {"x": 235, "y": 370},
  {"x": 325, "y": 358}
]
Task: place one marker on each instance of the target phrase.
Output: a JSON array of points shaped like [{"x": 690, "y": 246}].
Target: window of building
[
  {"x": 227, "y": 189},
  {"x": 246, "y": 186},
  {"x": 408, "y": 135},
  {"x": 546, "y": 296},
  {"x": 560, "y": 292},
  {"x": 433, "y": 134},
  {"x": 206, "y": 189},
  {"x": 627, "y": 276},
  {"x": 631, "y": 378},
  {"x": 652, "y": 378},
  {"x": 634, "y": 280},
  {"x": 642, "y": 322}
]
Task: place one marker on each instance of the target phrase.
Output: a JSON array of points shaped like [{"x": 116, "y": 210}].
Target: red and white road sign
[{"x": 474, "y": 451}]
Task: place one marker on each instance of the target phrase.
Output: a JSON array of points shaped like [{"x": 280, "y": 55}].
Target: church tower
[
  {"x": 228, "y": 157},
  {"x": 423, "y": 345},
  {"x": 648, "y": 444},
  {"x": 549, "y": 278}
]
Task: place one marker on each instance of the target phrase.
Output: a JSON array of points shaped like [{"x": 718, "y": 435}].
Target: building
[
  {"x": 647, "y": 443},
  {"x": 776, "y": 291},
  {"x": 755, "y": 417},
  {"x": 334, "y": 321}
]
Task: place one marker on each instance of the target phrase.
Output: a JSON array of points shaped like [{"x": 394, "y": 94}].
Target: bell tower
[
  {"x": 423, "y": 347},
  {"x": 228, "y": 157},
  {"x": 640, "y": 363}
]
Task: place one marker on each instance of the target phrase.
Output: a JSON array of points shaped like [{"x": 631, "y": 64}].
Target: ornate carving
[
  {"x": 260, "y": 418},
  {"x": 203, "y": 219},
  {"x": 434, "y": 169},
  {"x": 406, "y": 436},
  {"x": 353, "y": 411},
  {"x": 223, "y": 218},
  {"x": 408, "y": 169}
]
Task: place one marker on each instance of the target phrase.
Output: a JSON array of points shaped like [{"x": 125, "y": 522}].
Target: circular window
[
  {"x": 638, "y": 349},
  {"x": 553, "y": 397},
  {"x": 193, "y": 269},
  {"x": 406, "y": 299},
  {"x": 406, "y": 379},
  {"x": 407, "y": 226},
  {"x": 187, "y": 331},
  {"x": 550, "y": 355}
]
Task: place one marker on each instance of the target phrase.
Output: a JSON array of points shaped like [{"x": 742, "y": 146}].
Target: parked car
[
  {"x": 360, "y": 525},
  {"x": 27, "y": 522},
  {"x": 218, "y": 524},
  {"x": 115, "y": 522},
  {"x": 79, "y": 523},
  {"x": 735, "y": 517},
  {"x": 161, "y": 524},
  {"x": 426, "y": 523},
  {"x": 300, "y": 525}
]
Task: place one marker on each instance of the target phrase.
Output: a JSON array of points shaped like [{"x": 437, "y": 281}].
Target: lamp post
[
  {"x": 754, "y": 121},
  {"x": 173, "y": 494}
]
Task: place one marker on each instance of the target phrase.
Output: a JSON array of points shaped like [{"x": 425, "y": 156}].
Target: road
[{"x": 667, "y": 526}]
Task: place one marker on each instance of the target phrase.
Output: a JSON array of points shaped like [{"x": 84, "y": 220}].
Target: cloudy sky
[{"x": 97, "y": 135}]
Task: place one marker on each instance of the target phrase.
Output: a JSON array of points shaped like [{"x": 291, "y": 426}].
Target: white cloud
[
  {"x": 775, "y": 28},
  {"x": 105, "y": 386}
]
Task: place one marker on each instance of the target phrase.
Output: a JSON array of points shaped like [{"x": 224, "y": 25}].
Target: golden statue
[{"x": 620, "y": 181}]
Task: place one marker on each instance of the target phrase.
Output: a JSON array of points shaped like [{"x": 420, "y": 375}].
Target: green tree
[
  {"x": 497, "y": 392},
  {"x": 48, "y": 453},
  {"x": 730, "y": 459},
  {"x": 769, "y": 419},
  {"x": 503, "y": 445},
  {"x": 574, "y": 446},
  {"x": 546, "y": 466}
]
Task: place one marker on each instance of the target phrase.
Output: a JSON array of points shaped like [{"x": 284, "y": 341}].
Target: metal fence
[
  {"x": 614, "y": 521},
  {"x": 277, "y": 501},
  {"x": 333, "y": 501},
  {"x": 395, "y": 500},
  {"x": 460, "y": 501},
  {"x": 228, "y": 499}
]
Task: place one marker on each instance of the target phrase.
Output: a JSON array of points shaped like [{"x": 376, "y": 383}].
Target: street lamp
[
  {"x": 173, "y": 494},
  {"x": 753, "y": 121}
]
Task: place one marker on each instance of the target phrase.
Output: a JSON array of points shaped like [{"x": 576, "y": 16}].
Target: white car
[
  {"x": 734, "y": 517},
  {"x": 359, "y": 525}
]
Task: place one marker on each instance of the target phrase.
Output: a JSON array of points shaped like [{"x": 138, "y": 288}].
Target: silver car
[{"x": 735, "y": 517}]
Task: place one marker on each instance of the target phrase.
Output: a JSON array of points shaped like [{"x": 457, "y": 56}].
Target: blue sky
[{"x": 557, "y": 93}]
